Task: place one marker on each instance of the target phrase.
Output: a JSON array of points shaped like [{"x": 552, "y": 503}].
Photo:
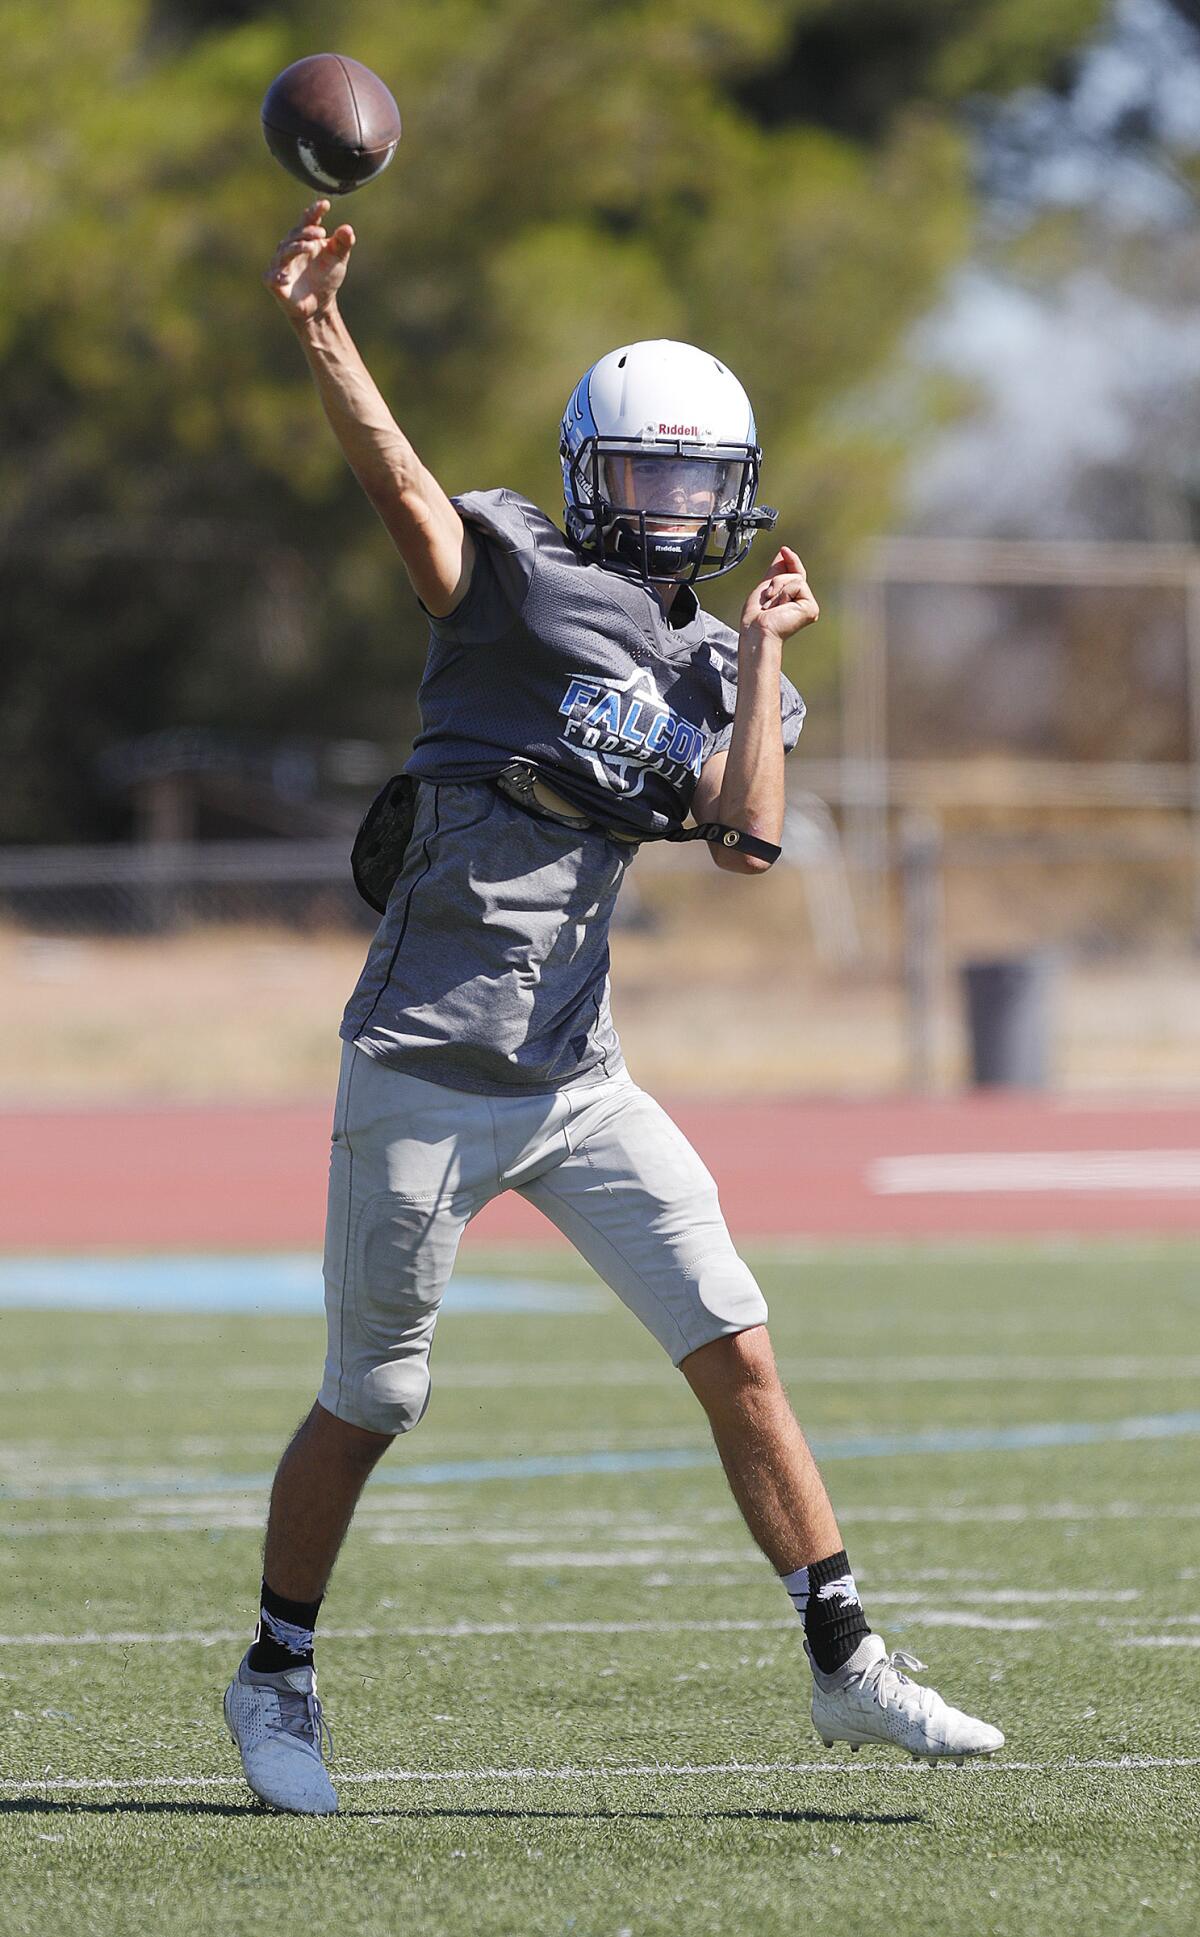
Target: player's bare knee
[
  {"x": 339, "y": 1442},
  {"x": 740, "y": 1365},
  {"x": 363, "y": 1445}
]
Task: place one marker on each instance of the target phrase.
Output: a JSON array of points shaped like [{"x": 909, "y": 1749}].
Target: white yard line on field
[
  {"x": 913, "y": 1609},
  {"x": 943, "y": 1368},
  {"x": 454, "y": 1631},
  {"x": 947, "y": 1617},
  {"x": 205, "y": 1513},
  {"x": 953, "y": 1516},
  {"x": 885, "y": 1369},
  {"x": 575, "y": 1558},
  {"x": 1175, "y": 1172},
  {"x": 1006, "y": 1596},
  {"x": 1160, "y": 1640},
  {"x": 957, "y": 1369},
  {"x": 132, "y": 1379},
  {"x": 183, "y": 1517},
  {"x": 1122, "y": 1765}
]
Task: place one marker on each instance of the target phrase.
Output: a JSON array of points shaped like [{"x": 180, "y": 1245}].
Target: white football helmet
[{"x": 660, "y": 464}]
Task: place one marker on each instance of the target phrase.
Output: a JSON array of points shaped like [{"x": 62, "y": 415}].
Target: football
[{"x": 331, "y": 122}]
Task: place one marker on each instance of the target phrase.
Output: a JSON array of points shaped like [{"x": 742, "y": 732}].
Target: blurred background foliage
[{"x": 785, "y": 181}]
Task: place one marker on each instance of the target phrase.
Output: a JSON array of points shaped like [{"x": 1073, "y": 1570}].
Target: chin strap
[
  {"x": 718, "y": 835},
  {"x": 656, "y": 556}
]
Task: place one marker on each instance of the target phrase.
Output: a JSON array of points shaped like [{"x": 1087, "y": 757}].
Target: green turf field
[{"x": 575, "y": 1703}]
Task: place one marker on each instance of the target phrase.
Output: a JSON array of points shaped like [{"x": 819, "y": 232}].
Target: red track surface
[{"x": 223, "y": 1178}]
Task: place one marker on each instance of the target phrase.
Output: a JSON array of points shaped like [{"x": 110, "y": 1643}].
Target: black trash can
[{"x": 1008, "y": 1005}]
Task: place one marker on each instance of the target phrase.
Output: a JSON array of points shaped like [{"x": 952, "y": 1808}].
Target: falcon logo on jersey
[{"x": 626, "y": 730}]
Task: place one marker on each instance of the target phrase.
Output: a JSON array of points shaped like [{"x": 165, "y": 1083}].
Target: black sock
[
  {"x": 826, "y": 1599},
  {"x": 284, "y": 1638}
]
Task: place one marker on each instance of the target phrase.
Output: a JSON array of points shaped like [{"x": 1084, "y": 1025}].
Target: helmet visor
[{"x": 671, "y": 488}]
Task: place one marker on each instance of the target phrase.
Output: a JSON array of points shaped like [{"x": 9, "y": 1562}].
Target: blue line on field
[
  {"x": 969, "y": 1439},
  {"x": 542, "y": 1466},
  {"x": 254, "y": 1282}
]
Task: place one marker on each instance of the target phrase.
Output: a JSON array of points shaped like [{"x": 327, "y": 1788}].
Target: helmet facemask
[{"x": 673, "y": 512}]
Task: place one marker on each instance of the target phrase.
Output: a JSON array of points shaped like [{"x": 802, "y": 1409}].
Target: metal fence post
[{"x": 921, "y": 914}]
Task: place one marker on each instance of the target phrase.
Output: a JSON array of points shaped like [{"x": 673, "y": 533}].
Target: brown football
[{"x": 331, "y": 122}]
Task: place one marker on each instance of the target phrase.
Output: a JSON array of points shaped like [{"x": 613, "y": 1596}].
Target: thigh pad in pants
[
  {"x": 401, "y": 1189},
  {"x": 633, "y": 1196}
]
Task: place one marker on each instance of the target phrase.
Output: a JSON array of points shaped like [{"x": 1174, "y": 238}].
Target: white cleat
[
  {"x": 283, "y": 1738},
  {"x": 871, "y": 1699}
]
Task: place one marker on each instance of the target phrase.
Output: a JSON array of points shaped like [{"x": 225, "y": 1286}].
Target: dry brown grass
[{"x": 723, "y": 993}]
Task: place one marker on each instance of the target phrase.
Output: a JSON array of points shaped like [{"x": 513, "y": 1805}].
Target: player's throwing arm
[{"x": 305, "y": 275}]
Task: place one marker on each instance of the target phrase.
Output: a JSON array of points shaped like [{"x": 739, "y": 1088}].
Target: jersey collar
[{"x": 684, "y": 608}]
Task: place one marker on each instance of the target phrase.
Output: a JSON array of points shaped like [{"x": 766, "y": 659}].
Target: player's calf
[
  {"x": 861, "y": 1693},
  {"x": 271, "y": 1706}
]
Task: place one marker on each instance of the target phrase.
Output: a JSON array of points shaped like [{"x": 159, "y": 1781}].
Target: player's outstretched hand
[
  {"x": 783, "y": 602},
  {"x": 309, "y": 266}
]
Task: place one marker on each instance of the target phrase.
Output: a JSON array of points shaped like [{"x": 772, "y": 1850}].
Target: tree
[{"x": 180, "y": 542}]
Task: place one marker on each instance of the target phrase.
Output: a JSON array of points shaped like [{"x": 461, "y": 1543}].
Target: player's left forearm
[{"x": 752, "y": 794}]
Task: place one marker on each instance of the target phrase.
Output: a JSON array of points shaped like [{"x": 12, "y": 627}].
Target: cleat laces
[
  {"x": 303, "y": 1716},
  {"x": 887, "y": 1677}
]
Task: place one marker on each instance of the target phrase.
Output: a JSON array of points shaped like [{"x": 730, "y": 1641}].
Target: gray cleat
[{"x": 281, "y": 1733}]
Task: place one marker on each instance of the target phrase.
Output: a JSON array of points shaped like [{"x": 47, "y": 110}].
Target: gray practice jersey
[{"x": 489, "y": 970}]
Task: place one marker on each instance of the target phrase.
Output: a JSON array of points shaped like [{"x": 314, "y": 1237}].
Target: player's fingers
[
  {"x": 785, "y": 562},
  {"x": 797, "y": 601},
  {"x": 309, "y": 234},
  {"x": 785, "y": 585},
  {"x": 288, "y": 251},
  {"x": 315, "y": 212},
  {"x": 287, "y": 262},
  {"x": 342, "y": 240}
]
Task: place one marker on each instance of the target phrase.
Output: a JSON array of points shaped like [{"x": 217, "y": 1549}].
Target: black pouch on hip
[{"x": 382, "y": 840}]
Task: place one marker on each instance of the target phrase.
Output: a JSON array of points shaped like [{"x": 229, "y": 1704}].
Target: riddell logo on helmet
[{"x": 679, "y": 430}]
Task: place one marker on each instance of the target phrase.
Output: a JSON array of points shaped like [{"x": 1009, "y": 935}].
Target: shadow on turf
[
  {"x": 848, "y": 1817},
  {"x": 46, "y": 1806}
]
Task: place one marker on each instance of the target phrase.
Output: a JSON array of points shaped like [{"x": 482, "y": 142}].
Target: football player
[{"x": 577, "y": 700}]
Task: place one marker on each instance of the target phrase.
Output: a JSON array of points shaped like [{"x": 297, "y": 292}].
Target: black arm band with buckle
[
  {"x": 718, "y": 835},
  {"x": 518, "y": 780}
]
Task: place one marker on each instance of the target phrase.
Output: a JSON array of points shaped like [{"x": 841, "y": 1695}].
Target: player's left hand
[{"x": 783, "y": 602}]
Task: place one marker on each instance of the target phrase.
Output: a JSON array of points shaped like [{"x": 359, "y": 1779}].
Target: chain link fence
[{"x": 159, "y": 887}]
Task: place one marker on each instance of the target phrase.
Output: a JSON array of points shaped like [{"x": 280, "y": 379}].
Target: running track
[{"x": 992, "y": 1166}]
